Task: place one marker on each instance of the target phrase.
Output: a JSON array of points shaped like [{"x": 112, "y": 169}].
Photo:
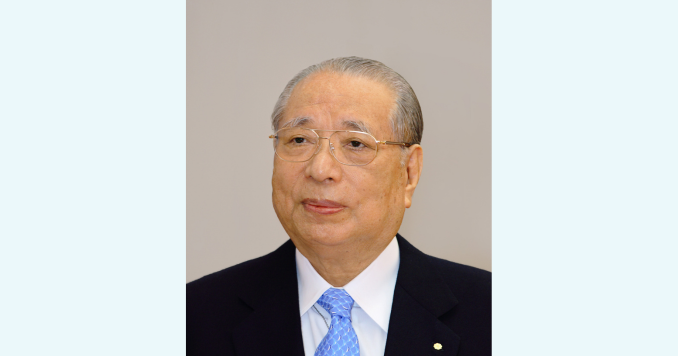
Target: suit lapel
[
  {"x": 274, "y": 326},
  {"x": 420, "y": 297}
]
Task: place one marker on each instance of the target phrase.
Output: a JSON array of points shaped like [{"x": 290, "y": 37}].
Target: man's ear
[{"x": 415, "y": 162}]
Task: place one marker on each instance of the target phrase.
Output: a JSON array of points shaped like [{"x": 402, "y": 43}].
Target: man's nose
[{"x": 323, "y": 166}]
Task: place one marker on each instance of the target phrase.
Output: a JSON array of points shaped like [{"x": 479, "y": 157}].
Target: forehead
[{"x": 334, "y": 99}]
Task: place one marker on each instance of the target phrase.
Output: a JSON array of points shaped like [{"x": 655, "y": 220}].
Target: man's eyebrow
[
  {"x": 356, "y": 126},
  {"x": 353, "y": 125},
  {"x": 296, "y": 122}
]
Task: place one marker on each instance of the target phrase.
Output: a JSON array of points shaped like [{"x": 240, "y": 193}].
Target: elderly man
[{"x": 347, "y": 162}]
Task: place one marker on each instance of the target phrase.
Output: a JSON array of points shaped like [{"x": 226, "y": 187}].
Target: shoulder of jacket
[
  {"x": 462, "y": 277},
  {"x": 229, "y": 279}
]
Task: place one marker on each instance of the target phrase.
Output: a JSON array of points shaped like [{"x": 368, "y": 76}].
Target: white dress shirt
[{"x": 372, "y": 291}]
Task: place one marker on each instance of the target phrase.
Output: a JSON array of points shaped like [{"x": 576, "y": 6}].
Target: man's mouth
[{"x": 324, "y": 207}]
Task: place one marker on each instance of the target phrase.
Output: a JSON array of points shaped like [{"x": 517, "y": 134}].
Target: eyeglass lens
[{"x": 351, "y": 148}]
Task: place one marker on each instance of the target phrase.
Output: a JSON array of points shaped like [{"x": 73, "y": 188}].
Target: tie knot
[{"x": 337, "y": 302}]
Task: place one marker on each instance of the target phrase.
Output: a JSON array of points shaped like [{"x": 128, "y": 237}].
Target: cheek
[
  {"x": 391, "y": 186},
  {"x": 283, "y": 182},
  {"x": 380, "y": 191}
]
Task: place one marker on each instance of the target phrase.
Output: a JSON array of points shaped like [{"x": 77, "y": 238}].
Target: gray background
[{"x": 240, "y": 55}]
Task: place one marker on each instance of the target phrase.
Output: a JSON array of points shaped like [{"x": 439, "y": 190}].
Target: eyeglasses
[{"x": 352, "y": 148}]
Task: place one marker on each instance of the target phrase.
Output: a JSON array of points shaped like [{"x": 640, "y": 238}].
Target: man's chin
[{"x": 325, "y": 235}]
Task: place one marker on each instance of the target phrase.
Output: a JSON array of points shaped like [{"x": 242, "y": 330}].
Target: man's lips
[{"x": 322, "y": 206}]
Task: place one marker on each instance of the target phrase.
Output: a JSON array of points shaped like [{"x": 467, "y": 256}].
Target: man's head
[
  {"x": 406, "y": 120},
  {"x": 324, "y": 203}
]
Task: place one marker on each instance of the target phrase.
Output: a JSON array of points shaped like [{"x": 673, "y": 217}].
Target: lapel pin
[{"x": 438, "y": 346}]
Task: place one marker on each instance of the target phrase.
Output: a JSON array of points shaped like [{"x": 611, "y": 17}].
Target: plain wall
[{"x": 240, "y": 55}]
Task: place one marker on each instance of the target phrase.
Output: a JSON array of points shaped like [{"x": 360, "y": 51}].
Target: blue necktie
[{"x": 341, "y": 339}]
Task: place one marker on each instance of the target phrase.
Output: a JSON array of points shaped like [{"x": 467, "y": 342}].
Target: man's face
[{"x": 322, "y": 202}]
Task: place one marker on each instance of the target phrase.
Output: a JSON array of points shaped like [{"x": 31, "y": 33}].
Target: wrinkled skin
[{"x": 342, "y": 217}]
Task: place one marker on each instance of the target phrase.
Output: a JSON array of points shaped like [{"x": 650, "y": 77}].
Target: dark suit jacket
[{"x": 238, "y": 311}]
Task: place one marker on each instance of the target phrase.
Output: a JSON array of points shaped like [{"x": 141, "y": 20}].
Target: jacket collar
[
  {"x": 273, "y": 295},
  {"x": 420, "y": 297},
  {"x": 421, "y": 280}
]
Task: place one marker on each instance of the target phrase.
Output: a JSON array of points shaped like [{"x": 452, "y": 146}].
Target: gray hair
[{"x": 407, "y": 122}]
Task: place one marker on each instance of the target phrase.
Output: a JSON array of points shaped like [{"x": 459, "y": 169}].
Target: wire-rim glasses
[{"x": 351, "y": 148}]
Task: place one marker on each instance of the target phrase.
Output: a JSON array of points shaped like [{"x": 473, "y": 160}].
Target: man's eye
[
  {"x": 356, "y": 144},
  {"x": 298, "y": 140}
]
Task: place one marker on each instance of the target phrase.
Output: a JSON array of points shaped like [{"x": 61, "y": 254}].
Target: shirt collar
[{"x": 372, "y": 289}]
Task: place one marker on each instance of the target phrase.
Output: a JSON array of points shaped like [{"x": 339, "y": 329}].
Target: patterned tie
[{"x": 341, "y": 339}]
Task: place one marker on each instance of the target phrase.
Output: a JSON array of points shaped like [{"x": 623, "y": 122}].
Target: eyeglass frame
[{"x": 331, "y": 148}]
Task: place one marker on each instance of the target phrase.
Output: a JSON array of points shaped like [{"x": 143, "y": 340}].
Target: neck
[{"x": 340, "y": 264}]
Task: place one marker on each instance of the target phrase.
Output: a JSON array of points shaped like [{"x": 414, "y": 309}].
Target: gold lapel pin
[{"x": 438, "y": 346}]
